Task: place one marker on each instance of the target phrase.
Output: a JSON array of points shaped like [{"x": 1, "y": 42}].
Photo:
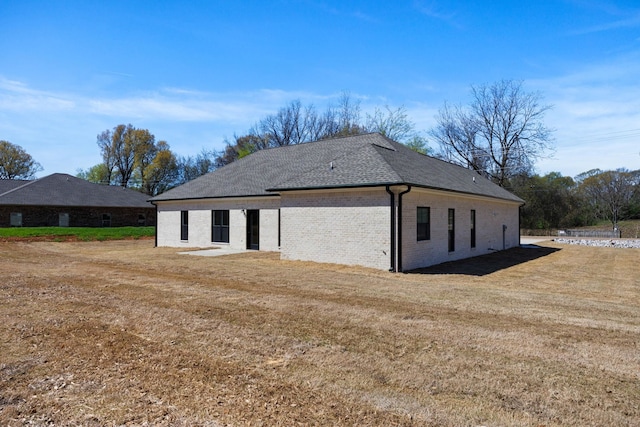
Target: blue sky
[{"x": 196, "y": 72}]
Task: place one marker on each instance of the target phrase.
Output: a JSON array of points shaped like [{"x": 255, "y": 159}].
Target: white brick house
[{"x": 361, "y": 200}]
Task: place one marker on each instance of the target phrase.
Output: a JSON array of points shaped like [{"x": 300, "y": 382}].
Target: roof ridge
[
  {"x": 354, "y": 148},
  {"x": 29, "y": 182},
  {"x": 314, "y": 168},
  {"x": 390, "y": 142}
]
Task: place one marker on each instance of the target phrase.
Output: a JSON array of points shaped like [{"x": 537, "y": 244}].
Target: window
[
  {"x": 15, "y": 219},
  {"x": 220, "y": 226},
  {"x": 424, "y": 223},
  {"x": 452, "y": 230},
  {"x": 473, "y": 228},
  {"x": 184, "y": 225},
  {"x": 63, "y": 219},
  {"x": 142, "y": 219},
  {"x": 106, "y": 220}
]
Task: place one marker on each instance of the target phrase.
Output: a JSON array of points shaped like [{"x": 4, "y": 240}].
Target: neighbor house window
[
  {"x": 142, "y": 219},
  {"x": 106, "y": 220},
  {"x": 473, "y": 228},
  {"x": 220, "y": 226},
  {"x": 15, "y": 219},
  {"x": 184, "y": 225},
  {"x": 424, "y": 223},
  {"x": 63, "y": 219},
  {"x": 452, "y": 230}
]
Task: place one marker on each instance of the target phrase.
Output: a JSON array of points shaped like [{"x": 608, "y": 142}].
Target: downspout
[
  {"x": 155, "y": 232},
  {"x": 519, "y": 225},
  {"x": 393, "y": 230},
  {"x": 400, "y": 227}
]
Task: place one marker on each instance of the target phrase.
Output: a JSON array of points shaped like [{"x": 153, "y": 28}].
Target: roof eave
[
  {"x": 469, "y": 193},
  {"x": 241, "y": 196},
  {"x": 384, "y": 184},
  {"x": 329, "y": 187}
]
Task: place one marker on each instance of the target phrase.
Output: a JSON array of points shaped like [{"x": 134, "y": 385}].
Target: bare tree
[
  {"x": 456, "y": 133},
  {"x": 193, "y": 167},
  {"x": 297, "y": 124},
  {"x": 393, "y": 124},
  {"x": 610, "y": 192},
  {"x": 347, "y": 117},
  {"x": 16, "y": 163},
  {"x": 500, "y": 134}
]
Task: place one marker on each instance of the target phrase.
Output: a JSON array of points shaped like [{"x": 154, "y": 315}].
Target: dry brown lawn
[{"x": 121, "y": 333}]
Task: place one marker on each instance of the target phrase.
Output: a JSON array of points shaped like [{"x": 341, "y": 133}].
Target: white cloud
[
  {"x": 432, "y": 10},
  {"x": 17, "y": 96},
  {"x": 59, "y": 128},
  {"x": 596, "y": 114},
  {"x": 613, "y": 18}
]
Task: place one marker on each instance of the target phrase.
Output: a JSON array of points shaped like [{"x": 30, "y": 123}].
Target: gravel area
[{"x": 608, "y": 243}]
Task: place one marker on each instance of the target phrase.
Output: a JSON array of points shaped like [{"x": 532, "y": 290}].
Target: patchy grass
[
  {"x": 121, "y": 333},
  {"x": 85, "y": 234}
]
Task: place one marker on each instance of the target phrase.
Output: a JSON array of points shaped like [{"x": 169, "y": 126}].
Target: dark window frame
[
  {"x": 15, "y": 219},
  {"x": 220, "y": 225},
  {"x": 473, "y": 228},
  {"x": 451, "y": 230},
  {"x": 64, "y": 219},
  {"x": 106, "y": 219},
  {"x": 184, "y": 225},
  {"x": 423, "y": 228}
]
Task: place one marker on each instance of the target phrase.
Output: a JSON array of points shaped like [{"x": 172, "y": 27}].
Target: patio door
[{"x": 253, "y": 229}]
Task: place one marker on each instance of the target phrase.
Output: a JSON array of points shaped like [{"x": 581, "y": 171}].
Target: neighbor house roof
[
  {"x": 10, "y": 184},
  {"x": 61, "y": 189},
  {"x": 357, "y": 161}
]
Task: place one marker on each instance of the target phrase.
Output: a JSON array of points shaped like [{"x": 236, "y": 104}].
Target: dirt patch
[{"x": 121, "y": 333}]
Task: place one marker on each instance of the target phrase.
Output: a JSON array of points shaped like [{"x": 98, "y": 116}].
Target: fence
[{"x": 608, "y": 234}]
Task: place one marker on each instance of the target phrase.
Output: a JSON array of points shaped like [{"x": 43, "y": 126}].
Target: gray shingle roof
[
  {"x": 357, "y": 161},
  {"x": 10, "y": 184},
  {"x": 65, "y": 190}
]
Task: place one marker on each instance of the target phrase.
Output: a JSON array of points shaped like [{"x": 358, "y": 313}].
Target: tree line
[
  {"x": 132, "y": 157},
  {"x": 296, "y": 123},
  {"x": 500, "y": 134},
  {"x": 554, "y": 201}
]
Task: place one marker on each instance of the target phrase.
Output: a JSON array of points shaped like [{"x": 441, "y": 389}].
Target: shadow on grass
[{"x": 490, "y": 263}]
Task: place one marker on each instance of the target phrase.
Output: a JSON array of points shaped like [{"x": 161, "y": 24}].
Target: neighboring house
[
  {"x": 66, "y": 201},
  {"x": 360, "y": 200}
]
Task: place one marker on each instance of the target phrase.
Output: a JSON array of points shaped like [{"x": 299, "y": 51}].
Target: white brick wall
[
  {"x": 200, "y": 222},
  {"x": 350, "y": 226},
  {"x": 341, "y": 226},
  {"x": 490, "y": 216}
]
